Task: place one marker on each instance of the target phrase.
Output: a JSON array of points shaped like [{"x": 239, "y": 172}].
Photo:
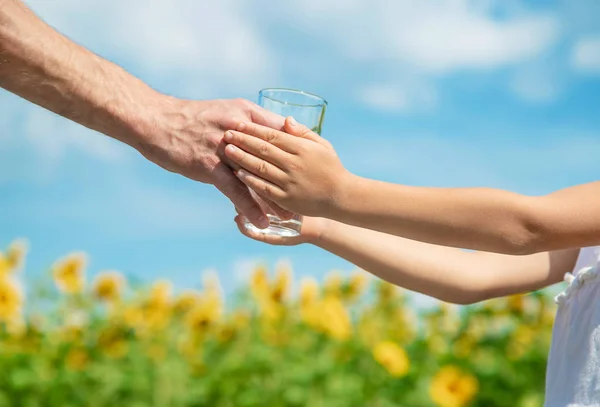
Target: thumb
[{"x": 294, "y": 128}]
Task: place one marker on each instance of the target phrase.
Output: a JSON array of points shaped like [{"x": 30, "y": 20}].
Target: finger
[
  {"x": 281, "y": 213},
  {"x": 264, "y": 117},
  {"x": 263, "y": 188},
  {"x": 258, "y": 148},
  {"x": 224, "y": 158},
  {"x": 261, "y": 237},
  {"x": 284, "y": 141},
  {"x": 299, "y": 130},
  {"x": 256, "y": 166},
  {"x": 239, "y": 194}
]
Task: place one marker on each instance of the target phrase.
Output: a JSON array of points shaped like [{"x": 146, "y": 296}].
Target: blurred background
[{"x": 441, "y": 93}]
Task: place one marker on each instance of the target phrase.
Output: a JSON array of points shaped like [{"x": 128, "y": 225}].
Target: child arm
[{"x": 449, "y": 274}]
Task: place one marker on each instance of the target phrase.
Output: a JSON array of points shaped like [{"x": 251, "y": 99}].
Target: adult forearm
[
  {"x": 46, "y": 68},
  {"x": 470, "y": 218}
]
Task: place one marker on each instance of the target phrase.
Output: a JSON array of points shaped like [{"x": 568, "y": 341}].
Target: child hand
[
  {"x": 299, "y": 171},
  {"x": 311, "y": 232}
]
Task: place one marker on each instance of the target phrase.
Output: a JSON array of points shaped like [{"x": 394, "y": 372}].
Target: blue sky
[{"x": 450, "y": 93}]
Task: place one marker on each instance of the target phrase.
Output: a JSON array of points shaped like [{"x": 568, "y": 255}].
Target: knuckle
[
  {"x": 271, "y": 136},
  {"x": 262, "y": 168},
  {"x": 301, "y": 149},
  {"x": 263, "y": 149},
  {"x": 239, "y": 101},
  {"x": 267, "y": 190}
]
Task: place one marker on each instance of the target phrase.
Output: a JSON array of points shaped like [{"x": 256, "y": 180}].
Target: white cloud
[
  {"x": 454, "y": 37},
  {"x": 431, "y": 35},
  {"x": 585, "y": 56},
  {"x": 391, "y": 44},
  {"x": 213, "y": 44},
  {"x": 394, "y": 97}
]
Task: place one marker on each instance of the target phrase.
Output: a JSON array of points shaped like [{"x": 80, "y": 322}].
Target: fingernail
[
  {"x": 240, "y": 174},
  {"x": 293, "y": 122},
  {"x": 231, "y": 148},
  {"x": 228, "y": 136}
]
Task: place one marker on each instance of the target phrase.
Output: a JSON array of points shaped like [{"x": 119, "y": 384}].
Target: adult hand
[{"x": 186, "y": 137}]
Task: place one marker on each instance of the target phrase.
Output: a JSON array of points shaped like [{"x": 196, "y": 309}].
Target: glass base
[{"x": 278, "y": 227}]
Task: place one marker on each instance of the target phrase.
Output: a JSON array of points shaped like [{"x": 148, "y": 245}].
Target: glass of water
[{"x": 307, "y": 109}]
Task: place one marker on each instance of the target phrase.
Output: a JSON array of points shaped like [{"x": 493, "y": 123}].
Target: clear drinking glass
[{"x": 307, "y": 109}]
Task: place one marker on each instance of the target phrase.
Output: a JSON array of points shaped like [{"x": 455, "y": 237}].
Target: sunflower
[
  {"x": 11, "y": 300},
  {"x": 108, "y": 286},
  {"x": 199, "y": 319},
  {"x": 69, "y": 273},
  {"x": 392, "y": 357},
  {"x": 309, "y": 291},
  {"x": 335, "y": 319},
  {"x": 15, "y": 255},
  {"x": 333, "y": 284},
  {"x": 259, "y": 282},
  {"x": 77, "y": 359},
  {"x": 160, "y": 294},
  {"x": 113, "y": 343},
  {"x": 451, "y": 387},
  {"x": 186, "y": 301},
  {"x": 385, "y": 292},
  {"x": 4, "y": 265},
  {"x": 282, "y": 283},
  {"x": 356, "y": 285}
]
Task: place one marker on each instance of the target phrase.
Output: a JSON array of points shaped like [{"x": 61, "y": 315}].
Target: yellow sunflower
[
  {"x": 259, "y": 283},
  {"x": 356, "y": 285},
  {"x": 11, "y": 299},
  {"x": 392, "y": 357},
  {"x": 160, "y": 294},
  {"x": 69, "y": 273},
  {"x": 282, "y": 283},
  {"x": 333, "y": 284},
  {"x": 335, "y": 319},
  {"x": 108, "y": 286},
  {"x": 186, "y": 301},
  {"x": 309, "y": 291},
  {"x": 15, "y": 255},
  {"x": 451, "y": 387}
]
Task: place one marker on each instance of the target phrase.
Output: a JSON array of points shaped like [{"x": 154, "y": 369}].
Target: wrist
[
  {"x": 140, "y": 121},
  {"x": 321, "y": 232},
  {"x": 342, "y": 195}
]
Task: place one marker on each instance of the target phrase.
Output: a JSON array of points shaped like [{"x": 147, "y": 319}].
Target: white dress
[{"x": 573, "y": 372}]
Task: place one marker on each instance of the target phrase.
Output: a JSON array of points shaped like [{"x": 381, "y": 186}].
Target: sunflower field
[{"x": 346, "y": 341}]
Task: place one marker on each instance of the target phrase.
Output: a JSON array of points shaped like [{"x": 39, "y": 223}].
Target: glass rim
[{"x": 297, "y": 91}]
